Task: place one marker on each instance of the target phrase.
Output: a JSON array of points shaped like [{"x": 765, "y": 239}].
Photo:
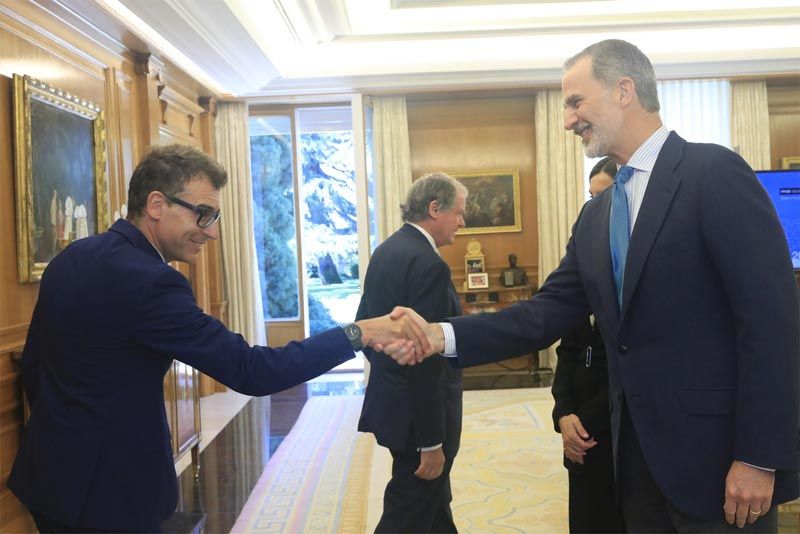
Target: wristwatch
[{"x": 353, "y": 333}]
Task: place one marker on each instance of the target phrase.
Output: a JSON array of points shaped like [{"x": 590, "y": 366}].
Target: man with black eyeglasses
[{"x": 111, "y": 316}]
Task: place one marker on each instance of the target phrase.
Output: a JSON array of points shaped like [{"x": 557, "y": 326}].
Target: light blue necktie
[{"x": 619, "y": 227}]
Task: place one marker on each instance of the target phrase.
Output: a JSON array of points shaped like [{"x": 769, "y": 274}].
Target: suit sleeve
[
  {"x": 749, "y": 250},
  {"x": 30, "y": 359},
  {"x": 170, "y": 322},
  {"x": 428, "y": 296},
  {"x": 527, "y": 326},
  {"x": 567, "y": 352}
]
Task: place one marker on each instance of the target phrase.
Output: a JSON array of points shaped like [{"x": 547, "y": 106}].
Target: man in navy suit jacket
[
  {"x": 111, "y": 316},
  {"x": 416, "y": 411},
  {"x": 703, "y": 343}
]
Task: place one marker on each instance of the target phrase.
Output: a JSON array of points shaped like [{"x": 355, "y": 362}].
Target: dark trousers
[
  {"x": 411, "y": 504},
  {"x": 593, "y": 504},
  {"x": 645, "y": 507},
  {"x": 45, "y": 525}
]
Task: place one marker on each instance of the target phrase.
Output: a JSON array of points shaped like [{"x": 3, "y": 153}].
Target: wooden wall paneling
[
  {"x": 486, "y": 133},
  {"x": 129, "y": 152},
  {"x": 784, "y": 119},
  {"x": 14, "y": 516},
  {"x": 146, "y": 103},
  {"x": 116, "y": 178},
  {"x": 215, "y": 296}
]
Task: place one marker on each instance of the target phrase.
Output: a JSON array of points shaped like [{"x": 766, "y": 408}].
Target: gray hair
[
  {"x": 437, "y": 186},
  {"x": 613, "y": 59}
]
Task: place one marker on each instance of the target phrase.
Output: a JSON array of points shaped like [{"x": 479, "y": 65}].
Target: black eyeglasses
[{"x": 206, "y": 215}]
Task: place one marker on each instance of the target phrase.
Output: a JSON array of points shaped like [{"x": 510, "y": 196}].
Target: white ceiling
[{"x": 273, "y": 48}]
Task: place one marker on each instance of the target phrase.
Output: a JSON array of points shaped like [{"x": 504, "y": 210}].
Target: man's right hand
[
  {"x": 402, "y": 332},
  {"x": 576, "y": 439},
  {"x": 400, "y": 352},
  {"x": 431, "y": 464}
]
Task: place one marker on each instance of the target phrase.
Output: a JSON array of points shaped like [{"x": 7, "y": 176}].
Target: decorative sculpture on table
[{"x": 513, "y": 276}]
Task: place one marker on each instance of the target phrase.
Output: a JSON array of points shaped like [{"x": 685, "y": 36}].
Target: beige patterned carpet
[
  {"x": 327, "y": 478},
  {"x": 507, "y": 477}
]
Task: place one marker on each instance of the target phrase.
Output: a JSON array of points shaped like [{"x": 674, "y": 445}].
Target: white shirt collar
[{"x": 644, "y": 159}]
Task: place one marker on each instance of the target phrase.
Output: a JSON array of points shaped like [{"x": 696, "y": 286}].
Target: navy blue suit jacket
[
  {"x": 705, "y": 348},
  {"x": 407, "y": 407},
  {"x": 110, "y": 318}
]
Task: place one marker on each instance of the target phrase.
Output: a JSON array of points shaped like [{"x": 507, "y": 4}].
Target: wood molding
[
  {"x": 177, "y": 136},
  {"x": 178, "y": 101},
  {"x": 209, "y": 104},
  {"x": 18, "y": 23},
  {"x": 785, "y": 100},
  {"x": 147, "y": 64}
]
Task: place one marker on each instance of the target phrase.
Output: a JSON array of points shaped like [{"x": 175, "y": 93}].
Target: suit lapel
[
  {"x": 601, "y": 256},
  {"x": 655, "y": 205}
]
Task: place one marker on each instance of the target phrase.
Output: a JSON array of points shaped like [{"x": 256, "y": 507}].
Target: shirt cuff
[
  {"x": 449, "y": 340},
  {"x": 759, "y": 467},
  {"x": 427, "y": 449}
]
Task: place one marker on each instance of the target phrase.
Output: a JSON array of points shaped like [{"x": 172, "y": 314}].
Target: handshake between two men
[{"x": 405, "y": 336}]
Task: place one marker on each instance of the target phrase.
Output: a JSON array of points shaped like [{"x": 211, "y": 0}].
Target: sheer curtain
[
  {"x": 697, "y": 110},
  {"x": 392, "y": 161},
  {"x": 241, "y": 275},
  {"x": 559, "y": 186},
  {"x": 750, "y": 118}
]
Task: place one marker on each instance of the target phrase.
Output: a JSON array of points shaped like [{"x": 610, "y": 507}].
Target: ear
[
  {"x": 626, "y": 91},
  {"x": 433, "y": 209},
  {"x": 156, "y": 202}
]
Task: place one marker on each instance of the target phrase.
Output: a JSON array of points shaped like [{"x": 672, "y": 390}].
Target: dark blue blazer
[
  {"x": 110, "y": 318},
  {"x": 705, "y": 349},
  {"x": 407, "y": 407}
]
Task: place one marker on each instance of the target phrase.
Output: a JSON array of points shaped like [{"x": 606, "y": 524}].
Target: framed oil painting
[
  {"x": 791, "y": 163},
  {"x": 60, "y": 167},
  {"x": 493, "y": 201}
]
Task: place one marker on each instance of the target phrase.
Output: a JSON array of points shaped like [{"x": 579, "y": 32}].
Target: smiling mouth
[{"x": 582, "y": 130}]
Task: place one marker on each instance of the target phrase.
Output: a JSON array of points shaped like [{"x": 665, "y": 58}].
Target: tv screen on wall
[{"x": 784, "y": 190}]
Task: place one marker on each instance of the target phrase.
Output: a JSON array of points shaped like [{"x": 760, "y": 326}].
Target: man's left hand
[{"x": 748, "y": 493}]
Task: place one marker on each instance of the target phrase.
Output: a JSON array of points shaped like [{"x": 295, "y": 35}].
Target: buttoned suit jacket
[
  {"x": 407, "y": 407},
  {"x": 110, "y": 318},
  {"x": 704, "y": 350}
]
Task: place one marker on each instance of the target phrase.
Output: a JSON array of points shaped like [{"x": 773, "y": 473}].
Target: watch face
[{"x": 353, "y": 331}]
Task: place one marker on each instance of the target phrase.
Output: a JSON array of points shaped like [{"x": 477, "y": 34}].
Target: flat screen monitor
[{"x": 784, "y": 190}]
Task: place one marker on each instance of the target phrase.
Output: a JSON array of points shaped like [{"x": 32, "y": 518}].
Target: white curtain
[
  {"x": 392, "y": 161},
  {"x": 750, "y": 118},
  {"x": 698, "y": 110},
  {"x": 240, "y": 267},
  {"x": 559, "y": 186}
]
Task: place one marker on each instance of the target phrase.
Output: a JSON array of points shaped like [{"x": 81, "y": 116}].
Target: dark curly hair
[{"x": 168, "y": 169}]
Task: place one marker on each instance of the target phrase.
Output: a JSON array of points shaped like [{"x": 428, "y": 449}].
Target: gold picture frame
[
  {"x": 493, "y": 203},
  {"x": 790, "y": 163},
  {"x": 60, "y": 172}
]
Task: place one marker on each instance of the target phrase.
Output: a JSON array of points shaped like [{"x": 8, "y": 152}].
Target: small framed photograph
[
  {"x": 477, "y": 280},
  {"x": 475, "y": 265}
]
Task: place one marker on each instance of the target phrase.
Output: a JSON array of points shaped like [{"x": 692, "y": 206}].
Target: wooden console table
[{"x": 514, "y": 372}]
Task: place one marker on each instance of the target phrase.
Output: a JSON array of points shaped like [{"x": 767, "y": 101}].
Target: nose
[
  {"x": 212, "y": 231},
  {"x": 570, "y": 118}
]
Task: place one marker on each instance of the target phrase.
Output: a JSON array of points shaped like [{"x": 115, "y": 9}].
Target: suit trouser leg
[
  {"x": 411, "y": 504},
  {"x": 646, "y": 509},
  {"x": 593, "y": 504},
  {"x": 45, "y": 525}
]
